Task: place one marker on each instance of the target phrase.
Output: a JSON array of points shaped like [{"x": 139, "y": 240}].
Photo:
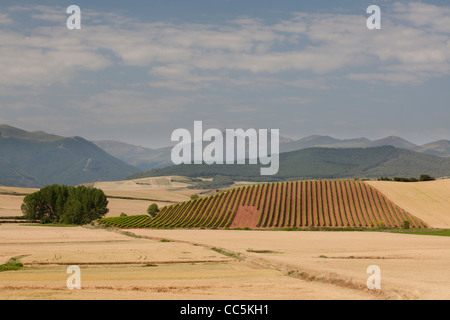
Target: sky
[{"x": 138, "y": 70}]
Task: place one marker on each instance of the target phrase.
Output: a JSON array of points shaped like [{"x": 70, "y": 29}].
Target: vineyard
[{"x": 301, "y": 204}]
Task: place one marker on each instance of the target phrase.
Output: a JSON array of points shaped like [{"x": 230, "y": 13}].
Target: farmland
[
  {"x": 183, "y": 264},
  {"x": 188, "y": 263},
  {"x": 294, "y": 204}
]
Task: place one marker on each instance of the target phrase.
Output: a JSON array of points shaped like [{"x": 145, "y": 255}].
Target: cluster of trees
[
  {"x": 423, "y": 177},
  {"x": 64, "y": 204}
]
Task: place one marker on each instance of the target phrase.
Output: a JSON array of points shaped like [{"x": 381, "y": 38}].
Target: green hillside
[
  {"x": 324, "y": 163},
  {"x": 37, "y": 159}
]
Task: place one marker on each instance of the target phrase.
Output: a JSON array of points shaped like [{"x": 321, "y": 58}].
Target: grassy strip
[
  {"x": 226, "y": 253},
  {"x": 426, "y": 232},
  {"x": 12, "y": 264}
]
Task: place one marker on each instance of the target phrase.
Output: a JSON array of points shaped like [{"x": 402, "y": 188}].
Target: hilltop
[
  {"x": 293, "y": 204},
  {"x": 36, "y": 159},
  {"x": 148, "y": 158}
]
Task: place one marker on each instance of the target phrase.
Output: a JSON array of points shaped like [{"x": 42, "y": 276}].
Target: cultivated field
[
  {"x": 115, "y": 266},
  {"x": 228, "y": 264},
  {"x": 293, "y": 204},
  {"x": 11, "y": 199},
  {"x": 428, "y": 200},
  {"x": 256, "y": 264},
  {"x": 10, "y": 205}
]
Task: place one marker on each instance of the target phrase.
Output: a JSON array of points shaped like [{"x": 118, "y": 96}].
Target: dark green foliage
[
  {"x": 12, "y": 264},
  {"x": 400, "y": 179},
  {"x": 423, "y": 177},
  {"x": 153, "y": 210},
  {"x": 426, "y": 177},
  {"x": 64, "y": 204}
]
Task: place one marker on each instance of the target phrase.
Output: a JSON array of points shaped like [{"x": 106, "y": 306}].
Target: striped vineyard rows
[{"x": 294, "y": 204}]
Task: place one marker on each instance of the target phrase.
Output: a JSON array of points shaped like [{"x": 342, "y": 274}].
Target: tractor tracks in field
[{"x": 294, "y": 271}]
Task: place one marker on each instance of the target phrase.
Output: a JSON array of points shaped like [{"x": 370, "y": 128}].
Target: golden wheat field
[
  {"x": 429, "y": 200},
  {"x": 226, "y": 264}
]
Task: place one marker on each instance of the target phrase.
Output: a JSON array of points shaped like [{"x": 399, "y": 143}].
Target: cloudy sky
[{"x": 137, "y": 70}]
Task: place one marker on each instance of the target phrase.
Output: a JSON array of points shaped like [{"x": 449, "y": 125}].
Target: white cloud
[
  {"x": 434, "y": 18},
  {"x": 413, "y": 44}
]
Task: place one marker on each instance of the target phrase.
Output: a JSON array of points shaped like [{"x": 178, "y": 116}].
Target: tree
[
  {"x": 63, "y": 204},
  {"x": 153, "y": 210},
  {"x": 426, "y": 177}
]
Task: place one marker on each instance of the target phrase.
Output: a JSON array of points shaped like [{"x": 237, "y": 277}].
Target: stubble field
[{"x": 227, "y": 264}]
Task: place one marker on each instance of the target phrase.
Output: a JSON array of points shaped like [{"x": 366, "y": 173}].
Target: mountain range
[
  {"x": 323, "y": 163},
  {"x": 36, "y": 159},
  {"x": 146, "y": 158}
]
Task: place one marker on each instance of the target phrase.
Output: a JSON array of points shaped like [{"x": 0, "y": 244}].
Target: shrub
[
  {"x": 153, "y": 210},
  {"x": 406, "y": 224},
  {"x": 426, "y": 177},
  {"x": 194, "y": 196}
]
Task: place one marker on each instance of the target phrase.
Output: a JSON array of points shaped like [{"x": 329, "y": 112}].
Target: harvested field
[
  {"x": 10, "y": 205},
  {"x": 412, "y": 266},
  {"x": 115, "y": 266},
  {"x": 428, "y": 200},
  {"x": 180, "y": 264}
]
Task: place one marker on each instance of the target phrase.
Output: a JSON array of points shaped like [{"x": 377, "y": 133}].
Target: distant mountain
[
  {"x": 324, "y": 163},
  {"x": 140, "y": 157},
  {"x": 36, "y": 159},
  {"x": 324, "y": 142},
  {"x": 146, "y": 158},
  {"x": 393, "y": 141},
  {"x": 438, "y": 148}
]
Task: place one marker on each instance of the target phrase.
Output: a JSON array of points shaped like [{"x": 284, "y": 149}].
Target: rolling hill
[
  {"x": 36, "y": 159},
  {"x": 293, "y": 204},
  {"x": 324, "y": 163}
]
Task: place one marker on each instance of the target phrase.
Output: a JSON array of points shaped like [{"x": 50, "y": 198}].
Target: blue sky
[{"x": 137, "y": 70}]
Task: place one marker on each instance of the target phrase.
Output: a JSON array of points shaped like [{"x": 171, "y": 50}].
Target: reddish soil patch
[{"x": 246, "y": 216}]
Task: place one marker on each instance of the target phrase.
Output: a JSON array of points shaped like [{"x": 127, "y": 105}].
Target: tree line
[
  {"x": 423, "y": 177},
  {"x": 65, "y": 204}
]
